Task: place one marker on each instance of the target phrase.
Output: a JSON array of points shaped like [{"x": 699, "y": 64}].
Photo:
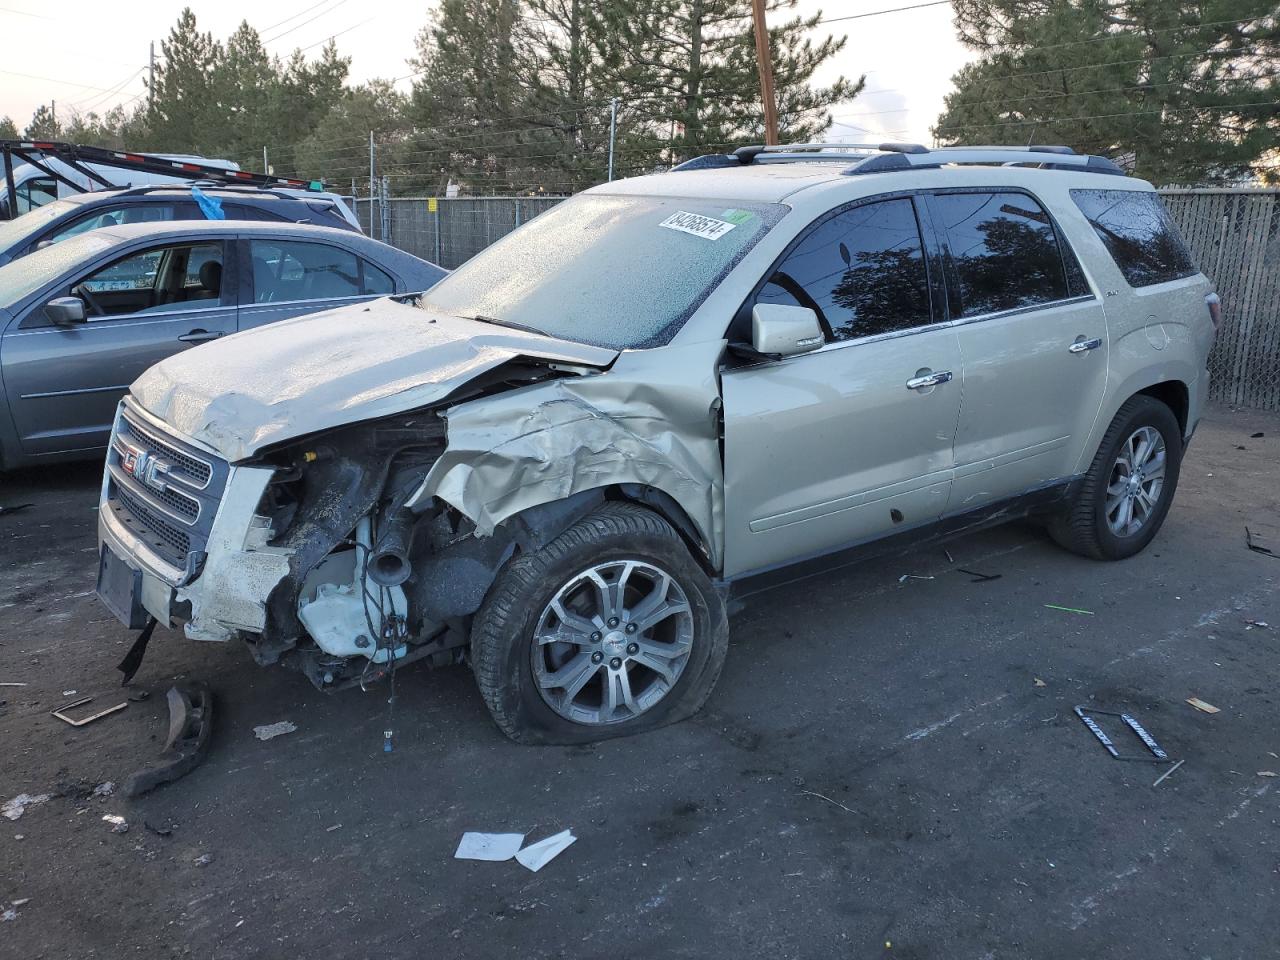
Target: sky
[{"x": 89, "y": 59}]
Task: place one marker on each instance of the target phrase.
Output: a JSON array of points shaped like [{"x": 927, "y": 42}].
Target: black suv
[{"x": 73, "y": 215}]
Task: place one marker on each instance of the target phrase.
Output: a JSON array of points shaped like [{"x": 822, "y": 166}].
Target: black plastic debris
[
  {"x": 133, "y": 659},
  {"x": 5, "y": 511},
  {"x": 979, "y": 577},
  {"x": 1253, "y": 544},
  {"x": 190, "y": 726},
  {"x": 1257, "y": 436}
]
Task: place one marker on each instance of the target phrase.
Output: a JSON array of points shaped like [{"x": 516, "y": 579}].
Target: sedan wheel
[{"x": 1137, "y": 479}]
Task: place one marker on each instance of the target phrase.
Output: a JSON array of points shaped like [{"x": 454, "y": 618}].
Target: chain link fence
[
  {"x": 1233, "y": 233},
  {"x": 1235, "y": 237}
]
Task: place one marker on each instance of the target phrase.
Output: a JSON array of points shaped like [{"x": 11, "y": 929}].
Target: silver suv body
[{"x": 566, "y": 456}]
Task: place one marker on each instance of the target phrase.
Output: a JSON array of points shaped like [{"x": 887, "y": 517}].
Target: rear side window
[
  {"x": 242, "y": 211},
  {"x": 1136, "y": 229},
  {"x": 377, "y": 282},
  {"x": 1004, "y": 252},
  {"x": 287, "y": 270},
  {"x": 862, "y": 271}
]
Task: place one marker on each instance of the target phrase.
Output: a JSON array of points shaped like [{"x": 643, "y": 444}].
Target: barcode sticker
[{"x": 709, "y": 228}]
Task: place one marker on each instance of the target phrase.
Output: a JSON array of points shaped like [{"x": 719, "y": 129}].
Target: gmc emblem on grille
[{"x": 145, "y": 467}]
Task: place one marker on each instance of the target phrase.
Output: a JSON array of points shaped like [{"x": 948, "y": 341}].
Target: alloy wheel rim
[
  {"x": 1136, "y": 482},
  {"x": 612, "y": 643}
]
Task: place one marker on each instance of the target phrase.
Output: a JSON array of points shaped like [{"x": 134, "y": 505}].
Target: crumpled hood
[{"x": 289, "y": 379}]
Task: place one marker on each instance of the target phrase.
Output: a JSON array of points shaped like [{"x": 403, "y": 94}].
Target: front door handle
[
  {"x": 924, "y": 381},
  {"x": 1083, "y": 346},
  {"x": 200, "y": 336}
]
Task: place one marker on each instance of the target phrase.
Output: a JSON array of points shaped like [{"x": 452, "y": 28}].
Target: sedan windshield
[
  {"x": 612, "y": 271},
  {"x": 13, "y": 232},
  {"x": 23, "y": 277}
]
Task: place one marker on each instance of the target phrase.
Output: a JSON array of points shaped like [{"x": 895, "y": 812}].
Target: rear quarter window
[{"x": 1137, "y": 231}]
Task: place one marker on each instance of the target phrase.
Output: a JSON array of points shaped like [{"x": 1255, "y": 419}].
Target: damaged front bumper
[{"x": 183, "y": 522}]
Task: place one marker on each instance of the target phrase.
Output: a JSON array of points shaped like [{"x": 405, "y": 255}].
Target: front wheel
[
  {"x": 1125, "y": 496},
  {"x": 610, "y": 629}
]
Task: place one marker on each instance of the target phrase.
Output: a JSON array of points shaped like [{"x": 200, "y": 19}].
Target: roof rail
[
  {"x": 887, "y": 157},
  {"x": 244, "y": 188},
  {"x": 78, "y": 157}
]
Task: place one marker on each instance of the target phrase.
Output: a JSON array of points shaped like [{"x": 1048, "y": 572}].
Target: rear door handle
[
  {"x": 1082, "y": 346},
  {"x": 929, "y": 380},
  {"x": 200, "y": 336}
]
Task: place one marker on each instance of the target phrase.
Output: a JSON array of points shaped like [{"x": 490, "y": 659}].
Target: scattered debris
[
  {"x": 133, "y": 659},
  {"x": 61, "y": 712},
  {"x": 270, "y": 730},
  {"x": 538, "y": 855},
  {"x": 15, "y": 808},
  {"x": 12, "y": 683},
  {"x": 488, "y": 846},
  {"x": 979, "y": 577},
  {"x": 1160, "y": 779},
  {"x": 1251, "y": 542},
  {"x": 137, "y": 696},
  {"x": 1250, "y": 624},
  {"x": 336, "y": 826},
  {"x": 165, "y": 831},
  {"x": 4, "y": 511},
  {"x": 1202, "y": 706},
  {"x": 104, "y": 789},
  {"x": 8, "y": 914},
  {"x": 911, "y": 576},
  {"x": 20, "y": 903},
  {"x": 950, "y": 558},
  {"x": 68, "y": 693},
  {"x": 1257, "y": 436},
  {"x": 203, "y": 860},
  {"x": 1039, "y": 683},
  {"x": 1087, "y": 716},
  {"x": 812, "y": 793},
  {"x": 118, "y": 823},
  {"x": 1054, "y": 606},
  {"x": 1268, "y": 773},
  {"x": 190, "y": 726}
]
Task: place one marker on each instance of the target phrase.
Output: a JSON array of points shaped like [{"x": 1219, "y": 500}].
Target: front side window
[
  {"x": 862, "y": 272},
  {"x": 160, "y": 280},
  {"x": 610, "y": 270},
  {"x": 36, "y": 193},
  {"x": 1004, "y": 251},
  {"x": 1137, "y": 231},
  {"x": 288, "y": 270}
]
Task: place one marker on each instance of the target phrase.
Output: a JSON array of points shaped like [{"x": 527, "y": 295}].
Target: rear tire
[
  {"x": 1125, "y": 496},
  {"x": 645, "y": 633}
]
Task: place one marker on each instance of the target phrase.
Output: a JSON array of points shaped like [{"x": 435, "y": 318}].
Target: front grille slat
[{"x": 197, "y": 471}]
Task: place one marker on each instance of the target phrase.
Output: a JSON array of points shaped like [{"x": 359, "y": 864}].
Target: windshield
[
  {"x": 612, "y": 271},
  {"x": 23, "y": 277},
  {"x": 13, "y": 232}
]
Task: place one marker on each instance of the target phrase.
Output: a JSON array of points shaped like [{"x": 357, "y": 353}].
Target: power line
[
  {"x": 299, "y": 26},
  {"x": 280, "y": 23},
  {"x": 68, "y": 83},
  {"x": 1110, "y": 116},
  {"x": 878, "y": 13},
  {"x": 338, "y": 34}
]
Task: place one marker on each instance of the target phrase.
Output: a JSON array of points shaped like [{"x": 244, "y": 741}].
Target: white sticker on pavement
[
  {"x": 488, "y": 846},
  {"x": 708, "y": 228}
]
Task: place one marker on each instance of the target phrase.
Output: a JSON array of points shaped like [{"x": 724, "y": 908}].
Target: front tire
[
  {"x": 1125, "y": 496},
  {"x": 610, "y": 629}
]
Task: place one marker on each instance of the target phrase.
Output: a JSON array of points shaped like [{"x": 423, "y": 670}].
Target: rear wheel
[
  {"x": 1125, "y": 496},
  {"x": 610, "y": 629}
]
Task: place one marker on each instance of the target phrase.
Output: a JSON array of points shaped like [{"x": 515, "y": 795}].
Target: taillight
[{"x": 1214, "y": 303}]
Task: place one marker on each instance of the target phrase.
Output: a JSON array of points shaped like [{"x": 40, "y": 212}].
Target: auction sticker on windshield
[{"x": 709, "y": 228}]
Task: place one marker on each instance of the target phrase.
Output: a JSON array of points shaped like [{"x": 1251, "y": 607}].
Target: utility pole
[
  {"x": 151, "y": 77},
  {"x": 765, "y": 61},
  {"x": 266, "y": 167},
  {"x": 371, "y": 182},
  {"x": 613, "y": 131}
]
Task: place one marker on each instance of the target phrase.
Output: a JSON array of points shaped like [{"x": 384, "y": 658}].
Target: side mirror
[
  {"x": 784, "y": 330},
  {"x": 43, "y": 244},
  {"x": 65, "y": 311}
]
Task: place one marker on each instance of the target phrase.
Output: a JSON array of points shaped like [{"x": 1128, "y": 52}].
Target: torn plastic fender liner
[{"x": 547, "y": 442}]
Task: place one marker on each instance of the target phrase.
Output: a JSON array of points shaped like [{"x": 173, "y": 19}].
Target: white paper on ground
[
  {"x": 537, "y": 855},
  {"x": 488, "y": 846}
]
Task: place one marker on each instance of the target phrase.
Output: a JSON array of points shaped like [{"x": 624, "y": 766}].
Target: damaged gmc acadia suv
[{"x": 562, "y": 461}]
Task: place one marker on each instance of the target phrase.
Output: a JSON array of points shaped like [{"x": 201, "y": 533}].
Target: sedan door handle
[
  {"x": 200, "y": 336},
  {"x": 1083, "y": 346},
  {"x": 929, "y": 380}
]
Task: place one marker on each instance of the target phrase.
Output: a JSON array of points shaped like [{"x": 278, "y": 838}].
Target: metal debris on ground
[
  {"x": 1158, "y": 755},
  {"x": 118, "y": 823},
  {"x": 12, "y": 683},
  {"x": 1202, "y": 706},
  {"x": 950, "y": 558},
  {"x": 1038, "y": 682},
  {"x": 270, "y": 730},
  {"x": 69, "y": 693},
  {"x": 8, "y": 914},
  {"x": 104, "y": 789},
  {"x": 979, "y": 577},
  {"x": 61, "y": 712},
  {"x": 1160, "y": 779},
  {"x": 15, "y": 808},
  {"x": 911, "y": 576},
  {"x": 538, "y": 855},
  {"x": 1267, "y": 773},
  {"x": 203, "y": 860},
  {"x": 488, "y": 846},
  {"x": 1250, "y": 624},
  {"x": 1054, "y": 606},
  {"x": 190, "y": 726}
]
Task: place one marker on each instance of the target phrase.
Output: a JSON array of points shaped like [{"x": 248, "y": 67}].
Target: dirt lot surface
[{"x": 879, "y": 773}]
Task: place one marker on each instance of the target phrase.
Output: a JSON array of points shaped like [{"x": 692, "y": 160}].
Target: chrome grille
[
  {"x": 195, "y": 469},
  {"x": 159, "y": 533}
]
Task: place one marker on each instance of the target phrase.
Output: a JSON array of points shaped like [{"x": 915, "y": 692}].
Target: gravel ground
[{"x": 886, "y": 769}]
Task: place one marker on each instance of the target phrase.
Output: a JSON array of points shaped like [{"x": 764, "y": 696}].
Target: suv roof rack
[
  {"x": 886, "y": 157},
  {"x": 247, "y": 189},
  {"x": 77, "y": 156}
]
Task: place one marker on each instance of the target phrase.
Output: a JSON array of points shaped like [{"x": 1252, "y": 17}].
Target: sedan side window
[
  {"x": 159, "y": 280},
  {"x": 377, "y": 282},
  {"x": 111, "y": 217},
  {"x": 287, "y": 270},
  {"x": 862, "y": 271},
  {"x": 1004, "y": 251}
]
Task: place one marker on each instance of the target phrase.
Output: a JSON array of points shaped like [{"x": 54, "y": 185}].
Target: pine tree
[
  {"x": 184, "y": 113},
  {"x": 43, "y": 126},
  {"x": 1186, "y": 90},
  {"x": 8, "y": 129}
]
